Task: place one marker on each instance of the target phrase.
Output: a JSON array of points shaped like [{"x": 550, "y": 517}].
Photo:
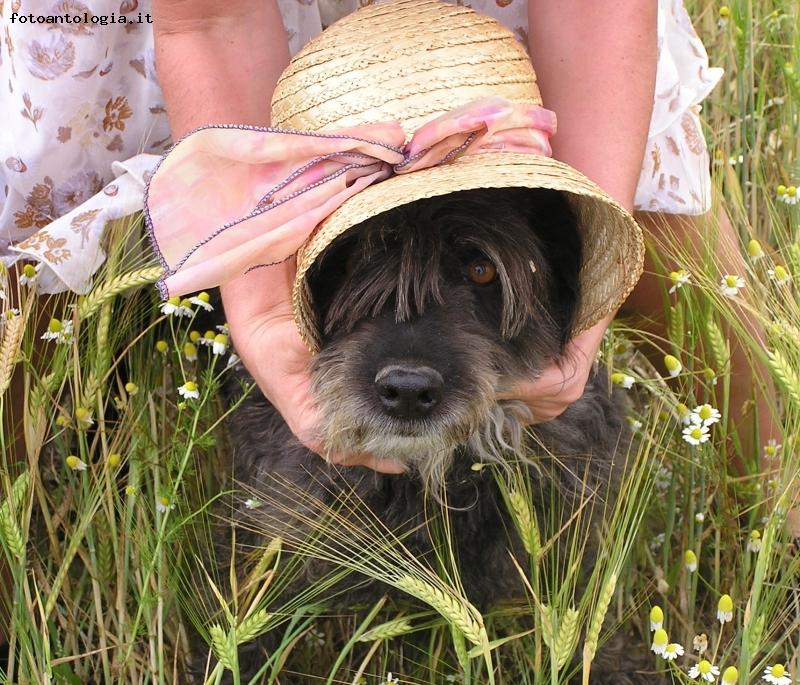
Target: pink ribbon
[{"x": 227, "y": 199}]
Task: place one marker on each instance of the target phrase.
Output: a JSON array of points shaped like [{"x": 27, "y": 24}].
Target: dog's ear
[{"x": 552, "y": 219}]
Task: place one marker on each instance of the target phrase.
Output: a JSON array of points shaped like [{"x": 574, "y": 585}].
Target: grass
[{"x": 109, "y": 564}]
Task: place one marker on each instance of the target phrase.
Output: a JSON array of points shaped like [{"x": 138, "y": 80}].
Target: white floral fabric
[{"x": 84, "y": 121}]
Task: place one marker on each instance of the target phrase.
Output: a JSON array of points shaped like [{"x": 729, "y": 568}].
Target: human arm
[{"x": 595, "y": 64}]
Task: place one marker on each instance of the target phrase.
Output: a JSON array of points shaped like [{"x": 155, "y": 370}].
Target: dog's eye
[{"x": 481, "y": 271}]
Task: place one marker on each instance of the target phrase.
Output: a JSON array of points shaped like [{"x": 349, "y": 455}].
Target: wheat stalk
[
  {"x": 110, "y": 289},
  {"x": 12, "y": 534},
  {"x": 12, "y": 337},
  {"x": 526, "y": 524},
  {"x": 386, "y": 631},
  {"x": 567, "y": 637},
  {"x": 460, "y": 614},
  {"x": 596, "y": 622},
  {"x": 676, "y": 326},
  {"x": 719, "y": 346},
  {"x": 785, "y": 374},
  {"x": 253, "y": 626},
  {"x": 222, "y": 646}
]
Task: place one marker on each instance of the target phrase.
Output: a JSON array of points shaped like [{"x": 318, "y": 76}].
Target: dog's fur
[{"x": 395, "y": 293}]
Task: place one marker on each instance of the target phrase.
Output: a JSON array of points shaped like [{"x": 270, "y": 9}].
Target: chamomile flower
[
  {"x": 780, "y": 275},
  {"x": 634, "y": 423},
  {"x": 207, "y": 339},
  {"x": 203, "y": 300},
  {"x": 679, "y": 279},
  {"x": 754, "y": 250},
  {"x": 710, "y": 375},
  {"x": 190, "y": 351},
  {"x": 9, "y": 314},
  {"x": 130, "y": 490},
  {"x": 690, "y": 560},
  {"x": 58, "y": 330},
  {"x": 777, "y": 675},
  {"x": 224, "y": 328},
  {"x": 730, "y": 676},
  {"x": 169, "y": 307},
  {"x": 76, "y": 463},
  {"x": 83, "y": 417},
  {"x": 131, "y": 388},
  {"x": 251, "y": 503},
  {"x": 730, "y": 285},
  {"x": 220, "y": 345},
  {"x": 162, "y": 346},
  {"x": 189, "y": 390},
  {"x": 29, "y": 274},
  {"x": 114, "y": 459},
  {"x": 390, "y": 679},
  {"x": 754, "y": 542},
  {"x": 164, "y": 504},
  {"x": 696, "y": 435},
  {"x": 622, "y": 379},
  {"x": 233, "y": 360},
  {"x": 194, "y": 336},
  {"x": 672, "y": 651},
  {"x": 725, "y": 609},
  {"x": 705, "y": 670},
  {"x": 657, "y": 542},
  {"x": 660, "y": 642},
  {"x": 663, "y": 478},
  {"x": 699, "y": 517},
  {"x": 683, "y": 413},
  {"x": 673, "y": 365},
  {"x": 700, "y": 643},
  {"x": 705, "y": 415},
  {"x": 772, "y": 448},
  {"x": 724, "y": 15},
  {"x": 787, "y": 194},
  {"x": 185, "y": 308},
  {"x": 656, "y": 618}
]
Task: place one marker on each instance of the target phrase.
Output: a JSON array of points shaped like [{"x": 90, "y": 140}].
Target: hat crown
[{"x": 404, "y": 60}]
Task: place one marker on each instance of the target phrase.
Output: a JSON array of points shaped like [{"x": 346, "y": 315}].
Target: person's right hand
[{"x": 259, "y": 311}]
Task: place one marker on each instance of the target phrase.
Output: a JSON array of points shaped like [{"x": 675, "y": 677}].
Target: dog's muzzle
[{"x": 409, "y": 392}]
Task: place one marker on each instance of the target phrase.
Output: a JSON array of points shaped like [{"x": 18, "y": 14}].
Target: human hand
[
  {"x": 259, "y": 311},
  {"x": 564, "y": 380}
]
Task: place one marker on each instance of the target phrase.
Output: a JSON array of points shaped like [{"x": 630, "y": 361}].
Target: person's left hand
[{"x": 564, "y": 380}]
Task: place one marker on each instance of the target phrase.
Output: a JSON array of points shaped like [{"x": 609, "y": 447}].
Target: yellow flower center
[
  {"x": 778, "y": 670},
  {"x": 114, "y": 459},
  {"x": 731, "y": 281},
  {"x": 174, "y": 301},
  {"x": 791, "y": 191},
  {"x": 725, "y": 604},
  {"x": 780, "y": 273},
  {"x": 704, "y": 667},
  {"x": 82, "y": 414},
  {"x": 781, "y": 189},
  {"x": 162, "y": 346},
  {"x": 209, "y": 335},
  {"x": 755, "y": 535},
  {"x": 705, "y": 412},
  {"x": 204, "y": 297},
  {"x": 72, "y": 461},
  {"x": 189, "y": 350},
  {"x": 770, "y": 450},
  {"x": 656, "y": 614},
  {"x": 754, "y": 248},
  {"x": 55, "y": 326},
  {"x": 724, "y": 11},
  {"x": 191, "y": 386},
  {"x": 697, "y": 433},
  {"x": 221, "y": 339},
  {"x": 131, "y": 388},
  {"x": 164, "y": 501},
  {"x": 186, "y": 303},
  {"x": 194, "y": 336},
  {"x": 660, "y": 637},
  {"x": 730, "y": 676},
  {"x": 29, "y": 270}
]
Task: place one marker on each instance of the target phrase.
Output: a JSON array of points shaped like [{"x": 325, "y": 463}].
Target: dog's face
[{"x": 429, "y": 310}]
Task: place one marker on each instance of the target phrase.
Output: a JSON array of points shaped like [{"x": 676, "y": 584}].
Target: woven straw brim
[{"x": 613, "y": 248}]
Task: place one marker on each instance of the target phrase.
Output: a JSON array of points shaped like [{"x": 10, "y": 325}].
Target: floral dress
[{"x": 84, "y": 121}]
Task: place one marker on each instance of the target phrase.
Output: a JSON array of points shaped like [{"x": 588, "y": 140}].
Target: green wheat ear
[
  {"x": 785, "y": 374},
  {"x": 388, "y": 630},
  {"x": 91, "y": 304}
]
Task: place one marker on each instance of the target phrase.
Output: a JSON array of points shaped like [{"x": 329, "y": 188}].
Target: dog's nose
[{"x": 409, "y": 392}]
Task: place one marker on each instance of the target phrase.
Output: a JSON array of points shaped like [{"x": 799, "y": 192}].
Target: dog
[{"x": 427, "y": 312}]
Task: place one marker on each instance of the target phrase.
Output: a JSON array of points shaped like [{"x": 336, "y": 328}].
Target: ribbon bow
[{"x": 227, "y": 199}]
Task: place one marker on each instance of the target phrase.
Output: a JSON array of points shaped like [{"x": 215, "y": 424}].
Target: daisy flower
[
  {"x": 660, "y": 642},
  {"x": 621, "y": 379},
  {"x": 730, "y": 676},
  {"x": 189, "y": 390},
  {"x": 696, "y": 435},
  {"x": 787, "y": 194},
  {"x": 705, "y": 415},
  {"x": 190, "y": 352},
  {"x": 754, "y": 542},
  {"x": 185, "y": 308},
  {"x": 203, "y": 300},
  {"x": 700, "y": 643},
  {"x": 251, "y": 503},
  {"x": 390, "y": 679},
  {"x": 673, "y": 365},
  {"x": 672, "y": 651},
  {"x": 690, "y": 560},
  {"x": 730, "y": 285},
  {"x": 169, "y": 307},
  {"x": 29, "y": 274},
  {"x": 76, "y": 463},
  {"x": 683, "y": 413},
  {"x": 772, "y": 448},
  {"x": 679, "y": 279},
  {"x": 725, "y": 609},
  {"x": 780, "y": 275},
  {"x": 58, "y": 330},
  {"x": 754, "y": 250},
  {"x": 220, "y": 345},
  {"x": 164, "y": 504},
  {"x": 656, "y": 618},
  {"x": 705, "y": 670},
  {"x": 777, "y": 675}
]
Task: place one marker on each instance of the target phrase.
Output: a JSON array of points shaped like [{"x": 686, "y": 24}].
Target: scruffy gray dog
[{"x": 427, "y": 311}]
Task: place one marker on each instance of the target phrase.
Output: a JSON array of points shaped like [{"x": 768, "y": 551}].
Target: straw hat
[{"x": 411, "y": 61}]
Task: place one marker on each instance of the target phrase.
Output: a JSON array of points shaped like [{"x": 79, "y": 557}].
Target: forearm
[
  {"x": 218, "y": 62},
  {"x": 596, "y": 67}
]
